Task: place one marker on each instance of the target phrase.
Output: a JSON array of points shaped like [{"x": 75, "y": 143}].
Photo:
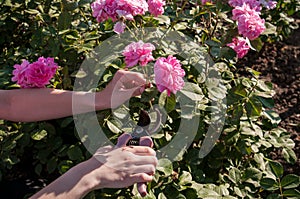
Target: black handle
[{"x": 133, "y": 142}]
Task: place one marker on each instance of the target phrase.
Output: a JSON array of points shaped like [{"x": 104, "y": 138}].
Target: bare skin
[{"x": 112, "y": 167}]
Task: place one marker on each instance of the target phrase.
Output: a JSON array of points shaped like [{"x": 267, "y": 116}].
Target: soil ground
[{"x": 279, "y": 63}]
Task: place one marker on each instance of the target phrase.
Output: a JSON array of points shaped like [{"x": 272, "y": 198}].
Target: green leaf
[
  {"x": 74, "y": 153},
  {"x": 32, "y": 11},
  {"x": 215, "y": 51},
  {"x": 257, "y": 44},
  {"x": 276, "y": 168},
  {"x": 234, "y": 175},
  {"x": 240, "y": 90},
  {"x": 213, "y": 43},
  {"x": 38, "y": 169},
  {"x": 269, "y": 184},
  {"x": 192, "y": 91},
  {"x": 252, "y": 173},
  {"x": 292, "y": 194},
  {"x": 267, "y": 102},
  {"x": 51, "y": 165},
  {"x": 171, "y": 103},
  {"x": 112, "y": 127},
  {"x": 227, "y": 53},
  {"x": 66, "y": 122},
  {"x": 185, "y": 178},
  {"x": 161, "y": 195},
  {"x": 149, "y": 94},
  {"x": 39, "y": 135},
  {"x": 253, "y": 107},
  {"x": 64, "y": 21},
  {"x": 273, "y": 117},
  {"x": 274, "y": 196},
  {"x": 270, "y": 29},
  {"x": 208, "y": 193},
  {"x": 290, "y": 181},
  {"x": 64, "y": 166},
  {"x": 70, "y": 6},
  {"x": 289, "y": 155},
  {"x": 165, "y": 166},
  {"x": 162, "y": 99}
]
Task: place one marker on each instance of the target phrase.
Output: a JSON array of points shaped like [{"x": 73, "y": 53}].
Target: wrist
[
  {"x": 102, "y": 100},
  {"x": 85, "y": 181}
]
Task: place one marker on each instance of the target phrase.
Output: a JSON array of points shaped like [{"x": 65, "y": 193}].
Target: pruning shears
[{"x": 143, "y": 127}]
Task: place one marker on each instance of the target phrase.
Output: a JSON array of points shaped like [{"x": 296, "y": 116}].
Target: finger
[
  {"x": 123, "y": 139},
  {"x": 133, "y": 79},
  {"x": 138, "y": 90},
  {"x": 140, "y": 150},
  {"x": 144, "y": 160},
  {"x": 144, "y": 168},
  {"x": 141, "y": 177},
  {"x": 142, "y": 188},
  {"x": 146, "y": 141}
]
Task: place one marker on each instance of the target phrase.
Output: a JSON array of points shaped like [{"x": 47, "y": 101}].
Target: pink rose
[
  {"x": 35, "y": 75},
  {"x": 250, "y": 24},
  {"x": 156, "y": 7},
  {"x": 244, "y": 9},
  {"x": 240, "y": 46},
  {"x": 138, "y": 52},
  {"x": 253, "y": 4},
  {"x": 104, "y": 9},
  {"x": 19, "y": 73},
  {"x": 168, "y": 74}
]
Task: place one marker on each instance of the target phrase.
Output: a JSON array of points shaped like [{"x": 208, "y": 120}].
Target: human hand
[
  {"x": 124, "y": 85},
  {"x": 122, "y": 166}
]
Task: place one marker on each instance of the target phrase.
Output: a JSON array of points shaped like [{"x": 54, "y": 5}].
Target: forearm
[
  {"x": 74, "y": 184},
  {"x": 28, "y": 105}
]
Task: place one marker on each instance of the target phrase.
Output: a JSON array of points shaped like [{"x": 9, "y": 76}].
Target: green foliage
[{"x": 239, "y": 165}]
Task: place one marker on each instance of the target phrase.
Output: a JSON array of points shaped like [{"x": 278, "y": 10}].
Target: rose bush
[{"x": 239, "y": 164}]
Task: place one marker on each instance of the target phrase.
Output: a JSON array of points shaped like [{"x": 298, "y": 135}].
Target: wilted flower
[
  {"x": 35, "y": 75},
  {"x": 240, "y": 46},
  {"x": 119, "y": 27},
  {"x": 138, "y": 52},
  {"x": 168, "y": 74},
  {"x": 268, "y": 4}
]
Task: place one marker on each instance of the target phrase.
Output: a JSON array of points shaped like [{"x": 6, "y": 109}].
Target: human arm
[
  {"x": 27, "y": 105},
  {"x": 109, "y": 168}
]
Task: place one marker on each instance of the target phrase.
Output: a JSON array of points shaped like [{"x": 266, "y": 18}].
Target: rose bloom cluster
[
  {"x": 250, "y": 24},
  {"x": 36, "y": 74},
  {"x": 168, "y": 72},
  {"x": 120, "y": 10}
]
